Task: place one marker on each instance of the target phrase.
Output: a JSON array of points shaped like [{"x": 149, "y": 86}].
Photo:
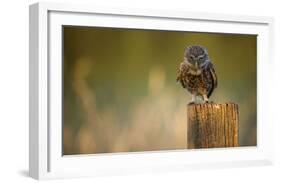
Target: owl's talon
[{"x": 191, "y": 103}]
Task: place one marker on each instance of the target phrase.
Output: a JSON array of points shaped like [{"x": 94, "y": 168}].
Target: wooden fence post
[{"x": 212, "y": 125}]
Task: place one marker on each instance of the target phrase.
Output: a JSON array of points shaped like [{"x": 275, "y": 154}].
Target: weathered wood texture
[{"x": 212, "y": 125}]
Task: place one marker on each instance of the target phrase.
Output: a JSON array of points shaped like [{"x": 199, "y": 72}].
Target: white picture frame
[{"x": 45, "y": 125}]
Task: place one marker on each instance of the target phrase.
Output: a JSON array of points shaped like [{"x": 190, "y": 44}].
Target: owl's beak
[{"x": 196, "y": 65}]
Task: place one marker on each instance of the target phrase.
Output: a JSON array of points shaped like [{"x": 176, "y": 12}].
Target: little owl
[{"x": 197, "y": 74}]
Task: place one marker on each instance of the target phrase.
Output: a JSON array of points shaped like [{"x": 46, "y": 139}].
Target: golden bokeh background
[{"x": 120, "y": 92}]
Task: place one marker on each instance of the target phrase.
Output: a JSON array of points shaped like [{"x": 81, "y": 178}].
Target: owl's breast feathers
[{"x": 204, "y": 83}]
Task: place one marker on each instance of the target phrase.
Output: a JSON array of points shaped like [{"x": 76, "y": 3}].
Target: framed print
[{"x": 116, "y": 91}]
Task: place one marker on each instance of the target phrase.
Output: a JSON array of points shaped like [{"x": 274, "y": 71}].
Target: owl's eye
[{"x": 201, "y": 59}]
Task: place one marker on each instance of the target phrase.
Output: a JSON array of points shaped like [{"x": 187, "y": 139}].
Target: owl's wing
[
  {"x": 214, "y": 78},
  {"x": 214, "y": 75},
  {"x": 182, "y": 74}
]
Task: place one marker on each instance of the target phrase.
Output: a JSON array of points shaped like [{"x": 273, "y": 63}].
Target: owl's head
[{"x": 196, "y": 56}]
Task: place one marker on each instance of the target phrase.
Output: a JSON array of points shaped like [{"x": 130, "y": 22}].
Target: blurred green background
[{"x": 120, "y": 90}]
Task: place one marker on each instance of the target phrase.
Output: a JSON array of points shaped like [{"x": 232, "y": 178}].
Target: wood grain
[{"x": 212, "y": 125}]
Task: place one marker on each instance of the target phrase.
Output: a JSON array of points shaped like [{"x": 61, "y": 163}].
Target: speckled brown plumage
[{"x": 203, "y": 83}]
